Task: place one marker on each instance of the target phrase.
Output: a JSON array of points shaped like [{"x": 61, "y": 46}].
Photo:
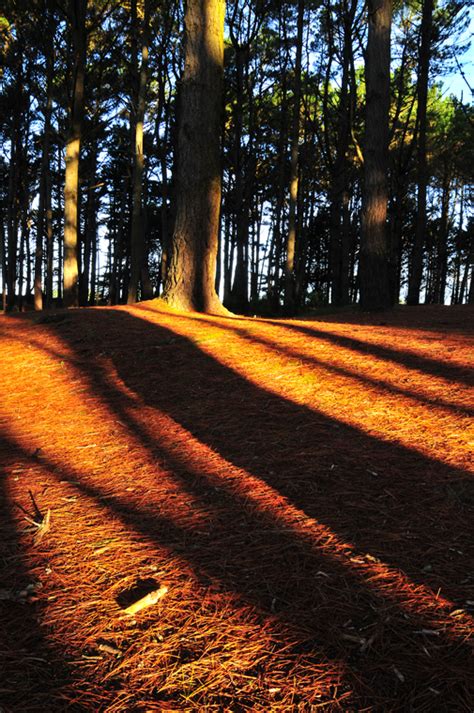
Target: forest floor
[{"x": 301, "y": 487}]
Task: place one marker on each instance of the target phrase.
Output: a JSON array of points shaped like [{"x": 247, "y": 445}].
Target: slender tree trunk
[
  {"x": 340, "y": 220},
  {"x": 239, "y": 299},
  {"x": 442, "y": 256},
  {"x": 228, "y": 258},
  {"x": 49, "y": 243},
  {"x": 3, "y": 265},
  {"x": 77, "y": 11},
  {"x": 137, "y": 232},
  {"x": 458, "y": 258},
  {"x": 60, "y": 214},
  {"x": 164, "y": 219},
  {"x": 190, "y": 280},
  {"x": 21, "y": 265},
  {"x": 90, "y": 229},
  {"x": 274, "y": 262},
  {"x": 93, "y": 278},
  {"x": 468, "y": 268},
  {"x": 112, "y": 251},
  {"x": 42, "y": 223},
  {"x": 375, "y": 251},
  {"x": 28, "y": 279},
  {"x": 416, "y": 271},
  {"x": 147, "y": 292},
  {"x": 396, "y": 228},
  {"x": 290, "y": 272},
  {"x": 13, "y": 192}
]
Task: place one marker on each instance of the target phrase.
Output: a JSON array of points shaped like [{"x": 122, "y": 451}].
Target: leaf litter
[{"x": 295, "y": 494}]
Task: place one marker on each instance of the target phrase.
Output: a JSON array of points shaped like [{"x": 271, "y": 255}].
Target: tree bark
[
  {"x": 274, "y": 261},
  {"x": 77, "y": 10},
  {"x": 137, "y": 231},
  {"x": 42, "y": 227},
  {"x": 3, "y": 266},
  {"x": 190, "y": 279},
  {"x": 239, "y": 292},
  {"x": 13, "y": 189},
  {"x": 340, "y": 219},
  {"x": 443, "y": 234},
  {"x": 90, "y": 227},
  {"x": 290, "y": 272},
  {"x": 375, "y": 249},
  {"x": 416, "y": 268}
]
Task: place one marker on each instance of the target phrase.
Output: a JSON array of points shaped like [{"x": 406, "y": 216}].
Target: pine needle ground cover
[{"x": 293, "y": 499}]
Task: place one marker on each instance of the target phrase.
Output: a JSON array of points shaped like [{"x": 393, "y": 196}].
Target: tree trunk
[
  {"x": 77, "y": 10},
  {"x": 442, "y": 256},
  {"x": 93, "y": 278},
  {"x": 468, "y": 268},
  {"x": 340, "y": 219},
  {"x": 13, "y": 191},
  {"x": 290, "y": 272},
  {"x": 49, "y": 244},
  {"x": 90, "y": 228},
  {"x": 276, "y": 246},
  {"x": 137, "y": 232},
  {"x": 375, "y": 250},
  {"x": 416, "y": 271},
  {"x": 239, "y": 293},
  {"x": 3, "y": 266},
  {"x": 60, "y": 216},
  {"x": 190, "y": 279},
  {"x": 43, "y": 219}
]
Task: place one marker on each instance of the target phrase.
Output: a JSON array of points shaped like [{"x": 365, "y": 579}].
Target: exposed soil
[{"x": 302, "y": 488}]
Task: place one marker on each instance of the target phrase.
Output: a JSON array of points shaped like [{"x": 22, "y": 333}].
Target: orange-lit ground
[{"x": 303, "y": 488}]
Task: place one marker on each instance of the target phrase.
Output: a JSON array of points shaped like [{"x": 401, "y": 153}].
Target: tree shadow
[
  {"x": 310, "y": 360},
  {"x": 425, "y": 365},
  {"x": 426, "y": 318},
  {"x": 325, "y": 469},
  {"x": 33, "y": 671}
]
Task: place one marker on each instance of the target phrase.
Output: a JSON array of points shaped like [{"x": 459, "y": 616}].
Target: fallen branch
[{"x": 147, "y": 600}]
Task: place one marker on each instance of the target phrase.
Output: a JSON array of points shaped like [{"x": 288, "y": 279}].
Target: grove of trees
[{"x": 271, "y": 156}]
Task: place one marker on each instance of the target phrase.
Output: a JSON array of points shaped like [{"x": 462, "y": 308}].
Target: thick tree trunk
[
  {"x": 190, "y": 279},
  {"x": 375, "y": 250},
  {"x": 416, "y": 268},
  {"x": 73, "y": 147}
]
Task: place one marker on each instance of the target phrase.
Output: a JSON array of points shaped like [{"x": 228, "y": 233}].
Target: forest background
[{"x": 292, "y": 150}]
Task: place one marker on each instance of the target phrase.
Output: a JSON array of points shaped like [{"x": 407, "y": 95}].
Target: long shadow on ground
[
  {"x": 425, "y": 365},
  {"x": 403, "y": 516},
  {"x": 32, "y": 670},
  {"x": 240, "y": 327}
]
